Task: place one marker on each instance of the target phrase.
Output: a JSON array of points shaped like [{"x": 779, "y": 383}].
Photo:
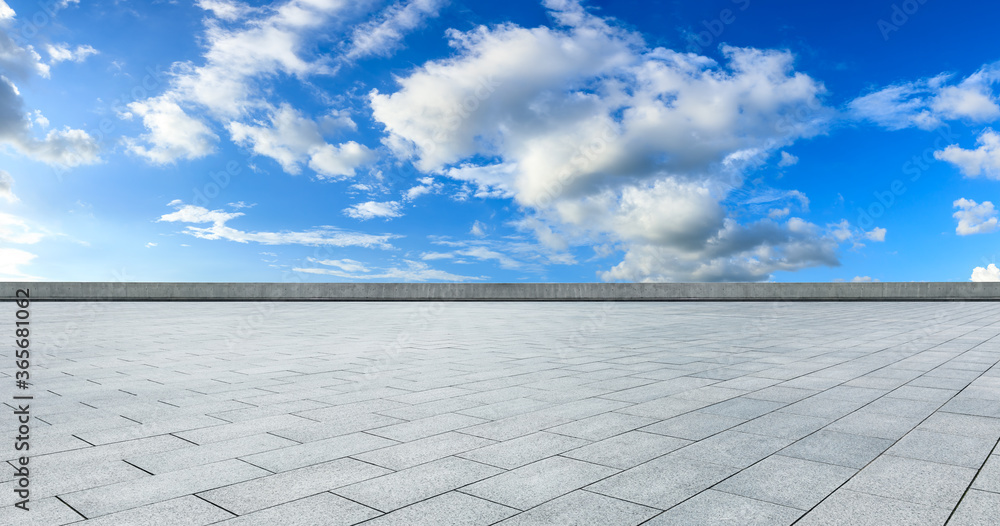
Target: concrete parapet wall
[{"x": 91, "y": 291}]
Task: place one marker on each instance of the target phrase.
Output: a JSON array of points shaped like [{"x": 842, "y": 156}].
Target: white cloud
[
  {"x": 413, "y": 271},
  {"x": 928, "y": 102},
  {"x": 226, "y": 9},
  {"x": 974, "y": 218},
  {"x": 340, "y": 162},
  {"x": 843, "y": 232},
  {"x": 485, "y": 254},
  {"x": 11, "y": 261},
  {"x": 379, "y": 37},
  {"x": 609, "y": 141},
  {"x": 173, "y": 133},
  {"x": 39, "y": 119},
  {"x": 787, "y": 159},
  {"x": 321, "y": 236},
  {"x": 14, "y": 229},
  {"x": 7, "y": 187},
  {"x": 373, "y": 209},
  {"x": 19, "y": 62},
  {"x": 62, "y": 52},
  {"x": 895, "y": 107},
  {"x": 417, "y": 191},
  {"x": 291, "y": 139},
  {"x": 778, "y": 213},
  {"x": 426, "y": 186},
  {"x": 63, "y": 147},
  {"x": 288, "y": 138},
  {"x": 240, "y": 60},
  {"x": 876, "y": 234},
  {"x": 984, "y": 160},
  {"x": 237, "y": 59},
  {"x": 347, "y": 265},
  {"x": 150, "y": 244},
  {"x": 6, "y": 12},
  {"x": 864, "y": 279},
  {"x": 478, "y": 228},
  {"x": 492, "y": 181},
  {"x": 990, "y": 273},
  {"x": 430, "y": 256}
]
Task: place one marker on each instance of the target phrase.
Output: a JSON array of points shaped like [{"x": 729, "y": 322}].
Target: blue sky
[{"x": 521, "y": 141}]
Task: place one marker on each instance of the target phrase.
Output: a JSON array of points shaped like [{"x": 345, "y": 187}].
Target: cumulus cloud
[
  {"x": 373, "y": 209},
  {"x": 320, "y": 236},
  {"x": 291, "y": 139},
  {"x": 173, "y": 133},
  {"x": 237, "y": 59},
  {"x": 412, "y": 271},
  {"x": 974, "y": 218},
  {"x": 15, "y": 60},
  {"x": 341, "y": 161},
  {"x": 478, "y": 228},
  {"x": 864, "y": 279},
  {"x": 252, "y": 48},
  {"x": 928, "y": 102},
  {"x": 990, "y": 273},
  {"x": 600, "y": 135},
  {"x": 62, "y": 147},
  {"x": 6, "y": 12},
  {"x": 983, "y": 161},
  {"x": 7, "y": 187},
  {"x": 382, "y": 35},
  {"x": 62, "y": 52}
]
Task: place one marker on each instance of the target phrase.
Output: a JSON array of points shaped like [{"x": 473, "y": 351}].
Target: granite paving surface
[{"x": 513, "y": 413}]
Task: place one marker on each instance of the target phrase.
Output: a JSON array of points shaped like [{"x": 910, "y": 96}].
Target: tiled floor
[{"x": 510, "y": 413}]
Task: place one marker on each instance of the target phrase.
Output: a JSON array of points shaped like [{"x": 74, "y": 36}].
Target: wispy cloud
[
  {"x": 319, "y": 236},
  {"x": 412, "y": 271}
]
